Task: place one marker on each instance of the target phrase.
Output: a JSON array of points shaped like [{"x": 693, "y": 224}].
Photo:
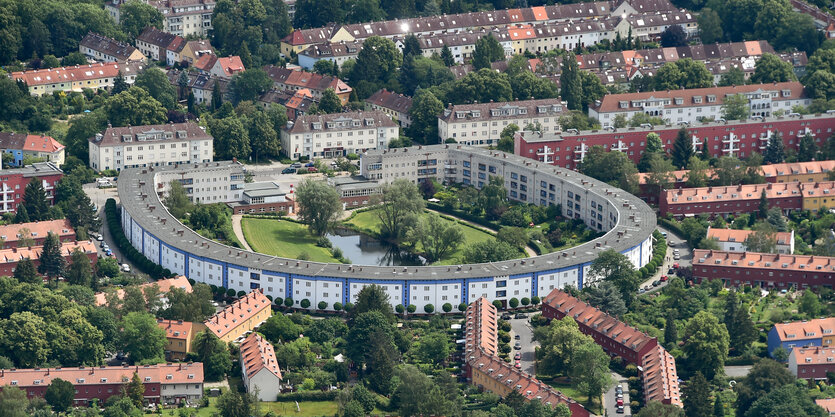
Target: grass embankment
[{"x": 283, "y": 238}]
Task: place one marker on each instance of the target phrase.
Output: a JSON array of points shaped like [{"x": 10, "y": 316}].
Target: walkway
[
  {"x": 239, "y": 232},
  {"x": 528, "y": 250}
]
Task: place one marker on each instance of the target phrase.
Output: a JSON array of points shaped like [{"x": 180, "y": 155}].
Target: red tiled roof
[
  {"x": 62, "y": 228},
  {"x": 76, "y": 73},
  {"x": 176, "y": 329},
  {"x": 764, "y": 260},
  {"x": 733, "y": 192},
  {"x": 732, "y": 235},
  {"x": 36, "y": 143},
  {"x": 238, "y": 312},
  {"x": 815, "y": 355},
  {"x": 206, "y": 62},
  {"x": 797, "y": 168},
  {"x": 181, "y": 373},
  {"x": 827, "y": 404},
  {"x": 306, "y": 79},
  {"x": 231, "y": 65},
  {"x": 256, "y": 354},
  {"x": 660, "y": 377},
  {"x": 391, "y": 100},
  {"x": 34, "y": 252},
  {"x": 799, "y": 330},
  {"x": 164, "y": 286}
]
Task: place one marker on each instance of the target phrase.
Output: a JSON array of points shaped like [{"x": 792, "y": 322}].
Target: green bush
[
  {"x": 288, "y": 302},
  {"x": 447, "y": 307},
  {"x": 514, "y": 302},
  {"x": 400, "y": 309},
  {"x": 230, "y": 293},
  {"x": 322, "y": 305},
  {"x": 349, "y": 307},
  {"x": 429, "y": 308},
  {"x": 462, "y": 307},
  {"x": 535, "y": 300},
  {"x": 270, "y": 297},
  {"x": 308, "y": 396},
  {"x": 497, "y": 304},
  {"x": 411, "y": 308},
  {"x": 323, "y": 242},
  {"x": 305, "y": 303},
  {"x": 278, "y": 301},
  {"x": 337, "y": 306},
  {"x": 241, "y": 293}
]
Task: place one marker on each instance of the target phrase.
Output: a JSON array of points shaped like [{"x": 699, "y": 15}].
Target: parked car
[
  {"x": 108, "y": 252},
  {"x": 620, "y": 402},
  {"x": 663, "y": 278},
  {"x": 506, "y": 316},
  {"x": 518, "y": 365},
  {"x": 310, "y": 164},
  {"x": 656, "y": 283},
  {"x": 671, "y": 271},
  {"x": 518, "y": 346},
  {"x": 312, "y": 169},
  {"x": 664, "y": 234},
  {"x": 126, "y": 267},
  {"x": 619, "y": 389},
  {"x": 288, "y": 171},
  {"x": 517, "y": 356},
  {"x": 619, "y": 410},
  {"x": 641, "y": 291},
  {"x": 517, "y": 337},
  {"x": 521, "y": 316},
  {"x": 99, "y": 237},
  {"x": 676, "y": 257},
  {"x": 296, "y": 165}
]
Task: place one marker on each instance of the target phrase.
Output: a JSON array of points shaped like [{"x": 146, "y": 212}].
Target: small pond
[{"x": 362, "y": 249}]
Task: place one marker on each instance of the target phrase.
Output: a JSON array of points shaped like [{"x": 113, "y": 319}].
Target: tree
[
  {"x": 706, "y": 344},
  {"x": 487, "y": 50},
  {"x": 670, "y": 330},
  {"x": 418, "y": 395},
  {"x": 682, "y": 149},
  {"x": 489, "y": 251},
  {"x": 231, "y": 138},
  {"x": 135, "y": 16},
  {"x": 481, "y": 86},
  {"x": 177, "y": 201},
  {"x": 571, "y": 86},
  {"x": 684, "y": 73},
  {"x": 618, "y": 269},
  {"x": 424, "y": 114},
  {"x": 141, "y": 338},
  {"x": 526, "y": 85},
  {"x": 279, "y": 328},
  {"x": 233, "y": 403},
  {"x": 614, "y": 168},
  {"x": 59, "y": 395},
  {"x": 119, "y": 83},
  {"x": 80, "y": 272},
  {"x": 506, "y": 138},
  {"x": 51, "y": 260},
  {"x": 697, "y": 397},
  {"x": 807, "y": 150},
  {"x": 13, "y": 402},
  {"x": 25, "y": 272},
  {"x": 590, "y": 370},
  {"x": 784, "y": 401},
  {"x": 156, "y": 83},
  {"x": 673, "y": 36},
  {"x": 763, "y": 239},
  {"x": 34, "y": 200},
  {"x": 22, "y": 215},
  {"x": 437, "y": 237},
  {"x": 653, "y": 146},
  {"x": 25, "y": 335},
  {"x": 710, "y": 26},
  {"x": 771, "y": 69},
  {"x": 135, "y": 391},
  {"x": 134, "y": 107},
  {"x": 810, "y": 304},
  {"x": 434, "y": 348},
  {"x": 376, "y": 65},
  {"x": 606, "y": 296},
  {"x": 560, "y": 342},
  {"x": 657, "y": 409},
  {"x": 373, "y": 298},
  {"x": 319, "y": 205},
  {"x": 212, "y": 351},
  {"x": 765, "y": 376},
  {"x": 400, "y": 200},
  {"x": 744, "y": 333},
  {"x": 446, "y": 56},
  {"x": 735, "y": 107},
  {"x": 516, "y": 236},
  {"x": 734, "y": 76},
  {"x": 775, "y": 152},
  {"x": 660, "y": 173},
  {"x": 249, "y": 85}
]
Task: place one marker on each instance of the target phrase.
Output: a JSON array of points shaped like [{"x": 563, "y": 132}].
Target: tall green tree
[
  {"x": 376, "y": 65},
  {"x": 437, "y": 237},
  {"x": 51, "y": 261},
  {"x": 135, "y": 16},
  {"x": 788, "y": 400},
  {"x": 319, "y": 205},
  {"x": 616, "y": 268},
  {"x": 606, "y": 296},
  {"x": 697, "y": 397},
  {"x": 13, "y": 402},
  {"x": 249, "y": 85},
  {"x": 156, "y": 83},
  {"x": 135, "y": 391},
  {"x": 330, "y": 102},
  {"x": 765, "y": 376},
  {"x": 134, "y": 107},
  {"x": 657, "y": 409},
  {"x": 424, "y": 114},
  {"x": 771, "y": 69},
  {"x": 775, "y": 152},
  {"x": 590, "y": 370},
  {"x": 735, "y": 107},
  {"x": 59, "y": 395},
  {"x": 734, "y": 76},
  {"x": 177, "y": 201},
  {"x": 807, "y": 150},
  {"x": 571, "y": 86},
  {"x": 810, "y": 304},
  {"x": 233, "y": 403},
  {"x": 652, "y": 147},
  {"x": 263, "y": 138},
  {"x": 446, "y": 56},
  {"x": 24, "y": 271},
  {"x": 231, "y": 138},
  {"x": 614, "y": 168},
  {"x": 670, "y": 330},
  {"x": 682, "y": 149},
  {"x": 400, "y": 204},
  {"x": 79, "y": 272},
  {"x": 706, "y": 344},
  {"x": 373, "y": 298},
  {"x": 487, "y": 51},
  {"x": 560, "y": 342},
  {"x": 214, "y": 354},
  {"x": 34, "y": 200},
  {"x": 141, "y": 338},
  {"x": 710, "y": 26}
]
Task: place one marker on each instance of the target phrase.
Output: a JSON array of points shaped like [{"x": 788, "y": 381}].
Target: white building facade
[
  {"x": 146, "y": 146},
  {"x": 338, "y": 134},
  {"x": 482, "y": 124}
]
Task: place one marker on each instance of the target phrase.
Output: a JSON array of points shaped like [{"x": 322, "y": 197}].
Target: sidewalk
[{"x": 239, "y": 232}]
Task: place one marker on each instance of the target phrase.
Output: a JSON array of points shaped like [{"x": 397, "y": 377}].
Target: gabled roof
[
  {"x": 31, "y": 143},
  {"x": 116, "y": 136},
  {"x": 231, "y": 65},
  {"x": 205, "y": 62},
  {"x": 77, "y": 73},
  {"x": 257, "y": 353},
  {"x": 803, "y": 330},
  {"x": 306, "y": 79},
  {"x": 61, "y": 228},
  {"x": 157, "y": 37},
  {"x": 108, "y": 46},
  {"x": 390, "y": 100},
  {"x": 816, "y": 355},
  {"x": 176, "y": 329},
  {"x": 797, "y": 168},
  {"x": 740, "y": 236},
  {"x": 176, "y": 373},
  {"x": 481, "y": 332},
  {"x": 341, "y": 122},
  {"x": 164, "y": 286},
  {"x": 238, "y": 312}
]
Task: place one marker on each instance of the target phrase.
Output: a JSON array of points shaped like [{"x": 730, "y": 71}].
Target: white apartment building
[
  {"x": 145, "y": 146},
  {"x": 731, "y": 240},
  {"x": 259, "y": 368},
  {"x": 182, "y": 17},
  {"x": 691, "y": 105},
  {"x": 207, "y": 182},
  {"x": 481, "y": 124},
  {"x": 338, "y": 134}
]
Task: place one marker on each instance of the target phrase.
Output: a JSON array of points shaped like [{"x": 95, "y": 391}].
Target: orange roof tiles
[
  {"x": 231, "y": 65},
  {"x": 660, "y": 377},
  {"x": 763, "y": 260},
  {"x": 732, "y": 192},
  {"x": 164, "y": 286},
  {"x": 256, "y": 354},
  {"x": 77, "y": 73},
  {"x": 34, "y": 252},
  {"x": 481, "y": 327},
  {"x": 798, "y": 168},
  {"x": 827, "y": 404},
  {"x": 732, "y": 235},
  {"x": 800, "y": 330},
  {"x": 62, "y": 228},
  {"x": 176, "y": 329},
  {"x": 238, "y": 312},
  {"x": 182, "y": 373},
  {"x": 37, "y": 143},
  {"x": 813, "y": 355}
]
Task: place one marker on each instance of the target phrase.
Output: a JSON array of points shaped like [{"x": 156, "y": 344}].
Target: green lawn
[
  {"x": 308, "y": 409},
  {"x": 283, "y": 238},
  {"x": 576, "y": 395},
  {"x": 367, "y": 220}
]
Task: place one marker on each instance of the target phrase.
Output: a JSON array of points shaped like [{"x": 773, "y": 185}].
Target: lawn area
[
  {"x": 308, "y": 409},
  {"x": 283, "y": 238},
  {"x": 367, "y": 220},
  {"x": 575, "y": 395}
]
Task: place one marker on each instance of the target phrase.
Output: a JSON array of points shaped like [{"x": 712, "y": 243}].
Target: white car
[
  {"x": 99, "y": 237},
  {"x": 126, "y": 267}
]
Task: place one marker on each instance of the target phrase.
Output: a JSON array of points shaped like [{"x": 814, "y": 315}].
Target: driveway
[
  {"x": 673, "y": 242},
  {"x": 610, "y": 397},
  {"x": 523, "y": 328}
]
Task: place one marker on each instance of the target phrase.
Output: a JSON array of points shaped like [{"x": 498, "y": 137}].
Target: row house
[
  {"x": 812, "y": 364},
  {"x": 34, "y": 233},
  {"x": 181, "y": 17},
  {"x": 481, "y": 124},
  {"x": 298, "y": 103},
  {"x": 179, "y": 336},
  {"x": 13, "y": 182},
  {"x": 164, "y": 383},
  {"x": 78, "y": 78},
  {"x": 201, "y": 85},
  {"x": 732, "y": 240},
  {"x": 488, "y": 372},
  {"x": 397, "y": 106},
  {"x": 338, "y": 134},
  {"x": 338, "y": 52},
  {"x": 154, "y": 43},
  {"x": 763, "y": 270},
  {"x": 692, "y": 105},
  {"x": 195, "y": 49},
  {"x": 301, "y": 39},
  {"x": 658, "y": 368},
  {"x": 649, "y": 26},
  {"x": 10, "y": 257},
  {"x": 242, "y": 316},
  {"x": 738, "y": 138},
  {"x": 100, "y": 48},
  {"x": 806, "y": 333},
  {"x": 163, "y": 287},
  {"x": 117, "y": 148},
  {"x": 21, "y": 145},
  {"x": 288, "y": 79},
  {"x": 227, "y": 67},
  {"x": 812, "y": 171},
  {"x": 260, "y": 373},
  {"x": 735, "y": 199}
]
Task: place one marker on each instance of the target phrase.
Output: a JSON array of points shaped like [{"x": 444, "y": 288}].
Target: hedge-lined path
[{"x": 239, "y": 232}]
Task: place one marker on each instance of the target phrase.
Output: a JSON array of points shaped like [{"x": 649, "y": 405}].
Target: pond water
[{"x": 362, "y": 249}]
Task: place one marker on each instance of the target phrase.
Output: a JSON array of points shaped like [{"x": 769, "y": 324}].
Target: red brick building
[
  {"x": 659, "y": 375},
  {"x": 763, "y": 269},
  {"x": 12, "y": 234},
  {"x": 812, "y": 363},
  {"x": 166, "y": 383},
  {"x": 730, "y": 199},
  {"x": 734, "y": 138},
  {"x": 10, "y": 257},
  {"x": 13, "y": 182}
]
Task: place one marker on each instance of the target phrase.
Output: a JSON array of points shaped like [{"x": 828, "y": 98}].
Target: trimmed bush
[
  {"x": 241, "y": 293},
  {"x": 349, "y": 307},
  {"x": 288, "y": 302},
  {"x": 497, "y": 304},
  {"x": 514, "y": 302},
  {"x": 411, "y": 308},
  {"x": 447, "y": 307},
  {"x": 462, "y": 307},
  {"x": 526, "y": 301},
  {"x": 213, "y": 288},
  {"x": 278, "y": 301},
  {"x": 400, "y": 309},
  {"x": 191, "y": 281},
  {"x": 337, "y": 306},
  {"x": 322, "y": 305},
  {"x": 230, "y": 293},
  {"x": 270, "y": 297},
  {"x": 305, "y": 303},
  {"x": 535, "y": 300},
  {"x": 429, "y": 308}
]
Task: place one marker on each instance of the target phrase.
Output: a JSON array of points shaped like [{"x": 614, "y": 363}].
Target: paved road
[
  {"x": 737, "y": 372},
  {"x": 673, "y": 242},
  {"x": 99, "y": 196},
  {"x": 523, "y": 328},
  {"x": 610, "y": 397}
]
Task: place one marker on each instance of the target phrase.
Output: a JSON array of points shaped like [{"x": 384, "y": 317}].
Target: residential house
[
  {"x": 141, "y": 146},
  {"x": 154, "y": 43},
  {"x": 397, "y": 106},
  {"x": 10, "y": 257},
  {"x": 297, "y": 103},
  {"x": 174, "y": 51},
  {"x": 21, "y": 146},
  {"x": 481, "y": 124},
  {"x": 338, "y": 134},
  {"x": 806, "y": 333},
  {"x": 163, "y": 287},
  {"x": 201, "y": 85},
  {"x": 195, "y": 49},
  {"x": 812, "y": 363},
  {"x": 259, "y": 368},
  {"x": 182, "y": 17},
  {"x": 763, "y": 270},
  {"x": 263, "y": 197},
  {"x": 22, "y": 235},
  {"x": 77, "y": 78},
  {"x": 241, "y": 317},
  {"x": 732, "y": 240},
  {"x": 736, "y": 199},
  {"x": 100, "y": 48},
  {"x": 333, "y": 52},
  {"x": 179, "y": 336},
  {"x": 287, "y": 79},
  {"x": 812, "y": 171}
]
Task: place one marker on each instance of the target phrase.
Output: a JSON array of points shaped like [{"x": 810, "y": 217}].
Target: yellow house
[
  {"x": 818, "y": 196},
  {"x": 301, "y": 39},
  {"x": 179, "y": 336},
  {"x": 814, "y": 171},
  {"x": 240, "y": 317},
  {"x": 194, "y": 50},
  {"x": 77, "y": 78}
]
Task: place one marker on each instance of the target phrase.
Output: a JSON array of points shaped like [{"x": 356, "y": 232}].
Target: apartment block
[
  {"x": 154, "y": 43},
  {"x": 77, "y": 78},
  {"x": 736, "y": 199},
  {"x": 812, "y": 171},
  {"x": 338, "y": 134},
  {"x": 182, "y": 17},
  {"x": 287, "y": 79},
  {"x": 763, "y": 270},
  {"x": 103, "y": 49},
  {"x": 800, "y": 334},
  {"x": 241, "y": 317},
  {"x": 812, "y": 363},
  {"x": 482, "y": 124},
  {"x": 34, "y": 233},
  {"x": 13, "y": 183},
  {"x": 152, "y": 145},
  {"x": 210, "y": 182},
  {"x": 10, "y": 257}
]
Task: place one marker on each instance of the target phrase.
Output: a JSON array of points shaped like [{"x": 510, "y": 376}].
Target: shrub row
[
  {"x": 134, "y": 256},
  {"x": 308, "y": 396},
  {"x": 463, "y": 215}
]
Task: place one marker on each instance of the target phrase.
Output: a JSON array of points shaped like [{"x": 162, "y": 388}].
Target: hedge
[
  {"x": 463, "y": 215},
  {"x": 308, "y": 396},
  {"x": 126, "y": 248}
]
